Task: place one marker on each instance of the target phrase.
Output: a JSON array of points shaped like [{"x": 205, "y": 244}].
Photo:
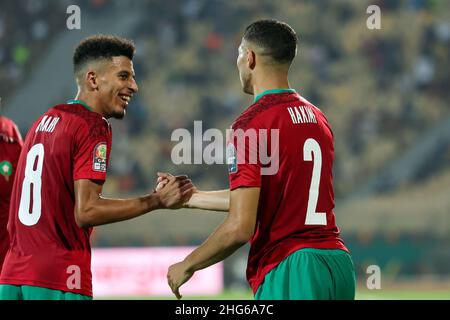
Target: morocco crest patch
[{"x": 6, "y": 169}]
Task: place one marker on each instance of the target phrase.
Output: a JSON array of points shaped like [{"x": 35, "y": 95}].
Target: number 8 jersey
[
  {"x": 284, "y": 145},
  {"x": 47, "y": 248}
]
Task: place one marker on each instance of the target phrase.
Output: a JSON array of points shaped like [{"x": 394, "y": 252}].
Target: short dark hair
[
  {"x": 101, "y": 47},
  {"x": 277, "y": 39}
]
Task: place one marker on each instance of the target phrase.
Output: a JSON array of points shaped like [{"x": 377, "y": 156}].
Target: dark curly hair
[
  {"x": 277, "y": 39},
  {"x": 101, "y": 47}
]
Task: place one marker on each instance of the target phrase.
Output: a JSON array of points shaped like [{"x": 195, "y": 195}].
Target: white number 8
[{"x": 32, "y": 187}]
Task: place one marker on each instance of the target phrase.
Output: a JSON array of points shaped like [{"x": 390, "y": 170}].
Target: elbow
[
  {"x": 241, "y": 235},
  {"x": 83, "y": 218}
]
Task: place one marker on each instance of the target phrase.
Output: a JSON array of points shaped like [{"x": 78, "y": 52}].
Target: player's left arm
[{"x": 236, "y": 230}]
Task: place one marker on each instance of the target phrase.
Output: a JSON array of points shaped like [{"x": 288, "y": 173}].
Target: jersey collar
[
  {"x": 272, "y": 91},
  {"x": 73, "y": 101}
]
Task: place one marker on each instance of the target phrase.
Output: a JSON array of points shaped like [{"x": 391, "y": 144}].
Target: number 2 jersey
[
  {"x": 47, "y": 248},
  {"x": 296, "y": 197}
]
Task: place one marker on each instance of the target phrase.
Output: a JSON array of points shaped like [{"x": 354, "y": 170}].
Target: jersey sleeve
[
  {"x": 92, "y": 152},
  {"x": 16, "y": 154},
  {"x": 17, "y": 136},
  {"x": 10, "y": 132},
  {"x": 244, "y": 167}
]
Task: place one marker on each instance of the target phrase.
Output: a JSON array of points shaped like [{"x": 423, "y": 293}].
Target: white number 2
[
  {"x": 312, "y": 217},
  {"x": 32, "y": 186}
]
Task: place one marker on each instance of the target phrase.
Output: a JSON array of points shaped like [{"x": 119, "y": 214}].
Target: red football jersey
[
  {"x": 47, "y": 248},
  {"x": 10, "y": 146},
  {"x": 291, "y": 162}
]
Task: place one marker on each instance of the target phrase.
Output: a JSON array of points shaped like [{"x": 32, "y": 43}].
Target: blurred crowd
[
  {"x": 26, "y": 28},
  {"x": 380, "y": 89}
]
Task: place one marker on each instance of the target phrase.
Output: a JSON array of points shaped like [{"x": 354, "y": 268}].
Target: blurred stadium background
[{"x": 385, "y": 92}]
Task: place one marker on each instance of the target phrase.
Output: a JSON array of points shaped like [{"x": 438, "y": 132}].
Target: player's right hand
[
  {"x": 173, "y": 191},
  {"x": 162, "y": 181}
]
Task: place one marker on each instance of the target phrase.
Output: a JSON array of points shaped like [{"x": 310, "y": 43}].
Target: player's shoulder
[
  {"x": 259, "y": 110},
  {"x": 77, "y": 112},
  {"x": 81, "y": 118},
  {"x": 319, "y": 113},
  {"x": 305, "y": 102},
  {"x": 9, "y": 130},
  {"x": 6, "y": 123}
]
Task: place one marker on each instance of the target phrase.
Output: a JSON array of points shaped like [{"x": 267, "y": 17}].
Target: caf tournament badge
[
  {"x": 6, "y": 169},
  {"x": 99, "y": 163}
]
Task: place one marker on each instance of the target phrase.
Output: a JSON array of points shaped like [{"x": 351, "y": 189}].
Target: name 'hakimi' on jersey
[{"x": 302, "y": 114}]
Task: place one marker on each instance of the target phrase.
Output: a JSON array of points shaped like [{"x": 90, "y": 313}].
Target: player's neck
[
  {"x": 270, "y": 81},
  {"x": 258, "y": 89}
]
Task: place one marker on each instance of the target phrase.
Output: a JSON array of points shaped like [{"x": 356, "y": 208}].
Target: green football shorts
[
  {"x": 310, "y": 274},
  {"x": 13, "y": 292}
]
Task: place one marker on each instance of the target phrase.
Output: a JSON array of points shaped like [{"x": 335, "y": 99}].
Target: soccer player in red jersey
[
  {"x": 284, "y": 206},
  {"x": 10, "y": 146},
  {"x": 57, "y": 195}
]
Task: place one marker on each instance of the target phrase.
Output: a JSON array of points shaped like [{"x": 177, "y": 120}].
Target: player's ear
[
  {"x": 91, "y": 80},
  {"x": 251, "y": 59}
]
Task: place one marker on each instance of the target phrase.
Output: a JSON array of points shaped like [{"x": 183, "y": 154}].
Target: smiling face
[{"x": 116, "y": 85}]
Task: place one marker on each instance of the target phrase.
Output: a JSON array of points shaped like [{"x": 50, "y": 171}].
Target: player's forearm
[
  {"x": 210, "y": 200},
  {"x": 227, "y": 238},
  {"x": 103, "y": 211}
]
